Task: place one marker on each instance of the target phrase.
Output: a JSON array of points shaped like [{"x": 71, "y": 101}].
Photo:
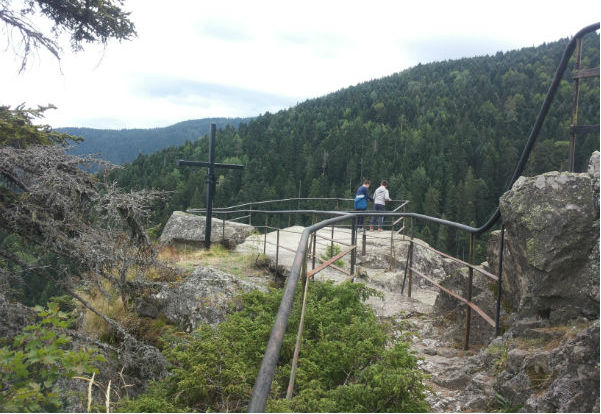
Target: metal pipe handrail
[{"x": 255, "y": 203}]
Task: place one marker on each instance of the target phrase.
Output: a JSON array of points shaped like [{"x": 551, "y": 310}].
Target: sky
[{"x": 198, "y": 59}]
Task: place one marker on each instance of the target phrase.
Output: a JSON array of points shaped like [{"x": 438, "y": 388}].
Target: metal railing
[{"x": 265, "y": 376}]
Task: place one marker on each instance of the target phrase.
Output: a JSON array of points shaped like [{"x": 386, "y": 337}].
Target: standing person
[
  {"x": 381, "y": 196},
  {"x": 361, "y": 200}
]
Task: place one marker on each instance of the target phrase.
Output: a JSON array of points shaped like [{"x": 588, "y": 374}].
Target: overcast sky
[{"x": 197, "y": 59}]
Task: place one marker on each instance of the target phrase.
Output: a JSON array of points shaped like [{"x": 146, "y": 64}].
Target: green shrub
[
  {"x": 332, "y": 251},
  {"x": 30, "y": 368},
  {"x": 347, "y": 362}
]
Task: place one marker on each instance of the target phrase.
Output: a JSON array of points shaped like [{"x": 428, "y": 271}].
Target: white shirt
[{"x": 381, "y": 196}]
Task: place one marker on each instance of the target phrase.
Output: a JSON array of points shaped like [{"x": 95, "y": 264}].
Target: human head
[
  {"x": 366, "y": 183},
  {"x": 384, "y": 183}
]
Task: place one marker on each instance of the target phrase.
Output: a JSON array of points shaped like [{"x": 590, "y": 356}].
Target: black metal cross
[{"x": 210, "y": 180}]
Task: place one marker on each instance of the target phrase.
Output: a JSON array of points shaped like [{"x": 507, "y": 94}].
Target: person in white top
[{"x": 381, "y": 196}]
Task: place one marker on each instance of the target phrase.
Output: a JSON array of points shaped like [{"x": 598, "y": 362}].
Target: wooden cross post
[{"x": 210, "y": 180}]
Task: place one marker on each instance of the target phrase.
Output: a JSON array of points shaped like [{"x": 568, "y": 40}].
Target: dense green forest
[
  {"x": 124, "y": 145},
  {"x": 446, "y": 136}
]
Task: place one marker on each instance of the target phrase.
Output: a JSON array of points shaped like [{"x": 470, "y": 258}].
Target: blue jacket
[{"x": 364, "y": 192}]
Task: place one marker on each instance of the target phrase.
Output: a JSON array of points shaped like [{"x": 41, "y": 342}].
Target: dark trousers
[
  {"x": 378, "y": 207},
  {"x": 360, "y": 219}
]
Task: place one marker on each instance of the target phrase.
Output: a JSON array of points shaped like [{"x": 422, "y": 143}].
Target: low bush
[
  {"x": 347, "y": 362},
  {"x": 37, "y": 358}
]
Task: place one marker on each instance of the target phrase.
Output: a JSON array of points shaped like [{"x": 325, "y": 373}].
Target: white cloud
[{"x": 242, "y": 58}]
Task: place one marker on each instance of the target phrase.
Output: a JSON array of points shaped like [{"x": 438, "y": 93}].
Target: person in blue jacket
[{"x": 361, "y": 200}]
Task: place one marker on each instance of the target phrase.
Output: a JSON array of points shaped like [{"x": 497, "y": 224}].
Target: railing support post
[
  {"x": 411, "y": 262},
  {"x": 250, "y": 215},
  {"x": 265, "y": 236},
  {"x": 332, "y": 242},
  {"x": 363, "y": 242},
  {"x": 353, "y": 243},
  {"x": 499, "y": 282},
  {"x": 410, "y": 259},
  {"x": 391, "y": 246},
  {"x": 277, "y": 251},
  {"x": 406, "y": 266},
  {"x": 314, "y": 249},
  {"x": 572, "y": 148},
  {"x": 299, "y": 334},
  {"x": 468, "y": 310}
]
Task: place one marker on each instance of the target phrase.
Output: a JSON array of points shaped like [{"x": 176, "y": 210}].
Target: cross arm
[{"x": 208, "y": 164}]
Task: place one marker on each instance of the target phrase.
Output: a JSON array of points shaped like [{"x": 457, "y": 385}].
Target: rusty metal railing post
[
  {"x": 265, "y": 236},
  {"x": 332, "y": 242},
  {"x": 353, "y": 243},
  {"x": 299, "y": 334},
  {"x": 391, "y": 246},
  {"x": 363, "y": 242},
  {"x": 468, "y": 310},
  {"x": 410, "y": 259},
  {"x": 314, "y": 249},
  {"x": 499, "y": 281},
  {"x": 572, "y": 149},
  {"x": 411, "y": 246},
  {"x": 406, "y": 266},
  {"x": 277, "y": 251}
]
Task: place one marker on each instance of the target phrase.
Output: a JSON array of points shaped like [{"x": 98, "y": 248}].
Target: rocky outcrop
[
  {"x": 184, "y": 228},
  {"x": 549, "y": 369},
  {"x": 547, "y": 360},
  {"x": 552, "y": 268},
  {"x": 203, "y": 297}
]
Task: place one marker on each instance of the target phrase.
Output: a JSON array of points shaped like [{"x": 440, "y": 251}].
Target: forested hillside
[
  {"x": 446, "y": 135},
  {"x": 124, "y": 145}
]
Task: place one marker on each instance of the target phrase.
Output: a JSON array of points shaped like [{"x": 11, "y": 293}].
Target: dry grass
[
  {"x": 111, "y": 306},
  {"x": 107, "y": 300},
  {"x": 187, "y": 259}
]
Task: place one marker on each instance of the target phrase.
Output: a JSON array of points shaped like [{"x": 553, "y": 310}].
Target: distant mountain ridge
[{"x": 124, "y": 145}]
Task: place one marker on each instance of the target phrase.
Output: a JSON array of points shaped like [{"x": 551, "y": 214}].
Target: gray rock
[
  {"x": 553, "y": 232},
  {"x": 184, "y": 228},
  {"x": 203, "y": 297},
  {"x": 555, "y": 375}
]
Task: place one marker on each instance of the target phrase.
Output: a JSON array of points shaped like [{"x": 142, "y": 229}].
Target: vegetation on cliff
[{"x": 348, "y": 361}]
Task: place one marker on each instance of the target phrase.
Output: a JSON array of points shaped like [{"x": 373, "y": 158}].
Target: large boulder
[
  {"x": 203, "y": 297},
  {"x": 184, "y": 228},
  {"x": 552, "y": 221}
]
